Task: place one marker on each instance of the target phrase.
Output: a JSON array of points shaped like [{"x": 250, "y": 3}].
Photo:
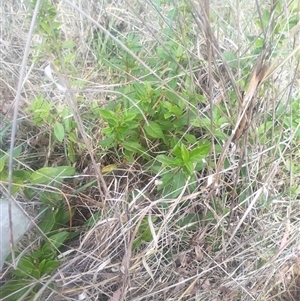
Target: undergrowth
[{"x": 158, "y": 143}]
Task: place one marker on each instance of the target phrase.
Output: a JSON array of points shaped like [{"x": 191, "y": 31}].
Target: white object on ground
[{"x": 20, "y": 225}]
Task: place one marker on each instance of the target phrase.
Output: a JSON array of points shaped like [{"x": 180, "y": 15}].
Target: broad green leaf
[
  {"x": 137, "y": 242},
  {"x": 46, "y": 252},
  {"x": 25, "y": 267},
  {"x": 108, "y": 142},
  {"x": 21, "y": 175},
  {"x": 73, "y": 137},
  {"x": 129, "y": 117},
  {"x": 46, "y": 27},
  {"x": 140, "y": 90},
  {"x": 166, "y": 180},
  {"x": 108, "y": 168},
  {"x": 193, "y": 182},
  {"x": 173, "y": 110},
  {"x": 169, "y": 161},
  {"x": 4, "y": 176},
  {"x": 147, "y": 235},
  {"x": 184, "y": 153},
  {"x": 4, "y": 131},
  {"x": 70, "y": 57},
  {"x": 108, "y": 131},
  {"x": 3, "y": 161},
  {"x": 154, "y": 130},
  {"x": 173, "y": 182},
  {"x": 46, "y": 175},
  {"x": 177, "y": 151},
  {"x": 231, "y": 58},
  {"x": 62, "y": 216},
  {"x": 13, "y": 290},
  {"x": 189, "y": 221},
  {"x": 259, "y": 43},
  {"x": 190, "y": 138},
  {"x": 199, "y": 153},
  {"x": 17, "y": 151},
  {"x": 68, "y": 123},
  {"x": 178, "y": 183},
  {"x": 5, "y": 156},
  {"x": 47, "y": 222},
  {"x": 68, "y": 44},
  {"x": 71, "y": 152},
  {"x": 59, "y": 238},
  {"x": 50, "y": 266},
  {"x": 132, "y": 146},
  {"x": 59, "y": 131},
  {"x": 41, "y": 265},
  {"x": 51, "y": 198},
  {"x": 189, "y": 167},
  {"x": 108, "y": 115}
]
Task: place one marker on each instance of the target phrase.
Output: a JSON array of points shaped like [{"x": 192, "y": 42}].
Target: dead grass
[{"x": 248, "y": 247}]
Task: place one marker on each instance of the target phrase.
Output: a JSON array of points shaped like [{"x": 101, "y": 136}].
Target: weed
[{"x": 170, "y": 129}]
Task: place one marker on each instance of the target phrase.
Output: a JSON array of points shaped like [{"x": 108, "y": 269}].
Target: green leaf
[
  {"x": 50, "y": 266},
  {"x": 4, "y": 158},
  {"x": 58, "y": 239},
  {"x": 4, "y": 131},
  {"x": 178, "y": 183},
  {"x": 154, "y": 130},
  {"x": 144, "y": 232},
  {"x": 47, "y": 222},
  {"x": 17, "y": 151},
  {"x": 71, "y": 152},
  {"x": 190, "y": 138},
  {"x": 21, "y": 175},
  {"x": 108, "y": 115},
  {"x": 45, "y": 252},
  {"x": 62, "y": 216},
  {"x": 259, "y": 43},
  {"x": 137, "y": 242},
  {"x": 166, "y": 180},
  {"x": 68, "y": 44},
  {"x": 172, "y": 183},
  {"x": 189, "y": 167},
  {"x": 169, "y": 161},
  {"x": 184, "y": 153},
  {"x": 3, "y": 161},
  {"x": 50, "y": 198},
  {"x": 73, "y": 138},
  {"x": 140, "y": 90},
  {"x": 231, "y": 58},
  {"x": 70, "y": 57},
  {"x": 177, "y": 150},
  {"x": 68, "y": 124},
  {"x": 129, "y": 117},
  {"x": 147, "y": 235},
  {"x": 189, "y": 221},
  {"x": 173, "y": 110},
  {"x": 132, "y": 146},
  {"x": 46, "y": 175},
  {"x": 59, "y": 131},
  {"x": 93, "y": 219},
  {"x": 108, "y": 142},
  {"x": 41, "y": 265},
  {"x": 46, "y": 27},
  {"x": 13, "y": 290},
  {"x": 25, "y": 267},
  {"x": 199, "y": 153}
]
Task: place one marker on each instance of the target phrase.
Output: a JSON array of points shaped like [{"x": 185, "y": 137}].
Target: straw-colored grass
[{"x": 243, "y": 241}]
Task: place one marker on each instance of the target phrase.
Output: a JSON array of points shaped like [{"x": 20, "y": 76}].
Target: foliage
[{"x": 160, "y": 118}]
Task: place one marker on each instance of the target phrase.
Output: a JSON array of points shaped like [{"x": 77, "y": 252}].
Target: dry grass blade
[{"x": 171, "y": 129}]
